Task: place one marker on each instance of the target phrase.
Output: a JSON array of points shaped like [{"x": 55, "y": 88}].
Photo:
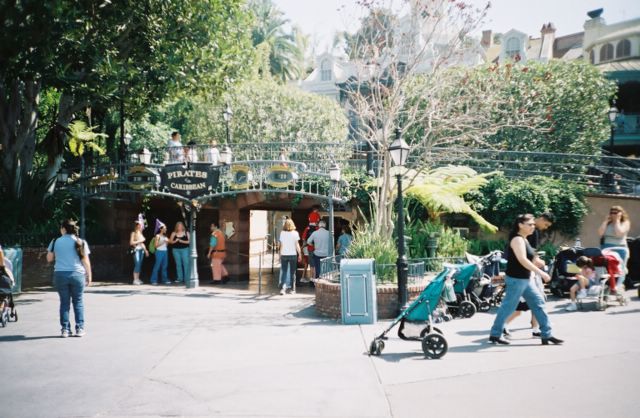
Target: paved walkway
[{"x": 152, "y": 351}]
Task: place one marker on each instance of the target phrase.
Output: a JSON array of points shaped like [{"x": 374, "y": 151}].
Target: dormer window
[
  {"x": 623, "y": 49},
  {"x": 513, "y": 48},
  {"x": 606, "y": 52},
  {"x": 325, "y": 71}
]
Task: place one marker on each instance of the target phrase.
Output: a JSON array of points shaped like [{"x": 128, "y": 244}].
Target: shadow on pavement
[{"x": 10, "y": 338}]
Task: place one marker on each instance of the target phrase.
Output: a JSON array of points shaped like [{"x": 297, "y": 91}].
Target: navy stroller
[
  {"x": 7, "y": 307},
  {"x": 434, "y": 345}
]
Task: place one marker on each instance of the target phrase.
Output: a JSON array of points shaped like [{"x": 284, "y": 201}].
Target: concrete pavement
[{"x": 154, "y": 351}]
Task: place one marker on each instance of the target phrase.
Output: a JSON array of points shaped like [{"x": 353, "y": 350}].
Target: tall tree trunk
[
  {"x": 56, "y": 139},
  {"x": 18, "y": 122}
]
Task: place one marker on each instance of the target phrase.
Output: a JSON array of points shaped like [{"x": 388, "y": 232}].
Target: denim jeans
[
  {"x": 315, "y": 262},
  {"x": 162, "y": 259},
  {"x": 288, "y": 267},
  {"x": 138, "y": 257},
  {"x": 526, "y": 288},
  {"x": 70, "y": 287},
  {"x": 181, "y": 255}
]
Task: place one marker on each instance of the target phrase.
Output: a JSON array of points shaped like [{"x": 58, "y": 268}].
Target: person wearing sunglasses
[
  {"x": 521, "y": 263},
  {"x": 613, "y": 233}
]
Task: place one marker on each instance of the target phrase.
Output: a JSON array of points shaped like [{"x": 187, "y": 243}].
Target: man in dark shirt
[{"x": 543, "y": 222}]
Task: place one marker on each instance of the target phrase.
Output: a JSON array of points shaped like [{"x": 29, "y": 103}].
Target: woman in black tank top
[{"x": 519, "y": 283}]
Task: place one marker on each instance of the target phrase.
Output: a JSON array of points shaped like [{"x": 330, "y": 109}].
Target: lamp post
[
  {"x": 225, "y": 154},
  {"x": 334, "y": 175},
  {"x": 127, "y": 141},
  {"x": 193, "y": 281},
  {"x": 610, "y": 177},
  {"x": 399, "y": 151}
]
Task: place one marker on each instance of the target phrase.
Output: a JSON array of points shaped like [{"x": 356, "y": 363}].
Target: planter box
[{"x": 328, "y": 299}]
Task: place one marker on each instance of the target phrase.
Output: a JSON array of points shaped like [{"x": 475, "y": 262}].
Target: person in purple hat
[{"x": 160, "y": 241}]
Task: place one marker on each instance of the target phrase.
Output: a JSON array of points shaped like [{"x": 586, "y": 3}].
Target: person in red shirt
[
  {"x": 307, "y": 252},
  {"x": 314, "y": 216}
]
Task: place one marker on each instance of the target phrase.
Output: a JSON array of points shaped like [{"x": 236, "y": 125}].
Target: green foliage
[
  {"x": 148, "y": 134},
  {"x": 284, "y": 50},
  {"x": 502, "y": 199},
  {"x": 263, "y": 111},
  {"x": 369, "y": 244},
  {"x": 483, "y": 246},
  {"x": 82, "y": 137},
  {"x": 573, "y": 97},
  {"x": 442, "y": 190},
  {"x": 449, "y": 242}
]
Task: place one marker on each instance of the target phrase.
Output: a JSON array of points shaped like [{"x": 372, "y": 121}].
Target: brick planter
[{"x": 328, "y": 299}]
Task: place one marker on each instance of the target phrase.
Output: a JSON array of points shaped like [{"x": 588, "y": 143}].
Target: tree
[
  {"x": 286, "y": 49},
  {"x": 574, "y": 97},
  {"x": 502, "y": 199},
  {"x": 126, "y": 53},
  {"x": 416, "y": 76}
]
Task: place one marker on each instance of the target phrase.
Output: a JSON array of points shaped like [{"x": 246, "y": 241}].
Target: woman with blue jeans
[
  {"x": 72, "y": 271},
  {"x": 521, "y": 264},
  {"x": 179, "y": 241},
  {"x": 136, "y": 242},
  {"x": 162, "y": 258},
  {"x": 290, "y": 255}
]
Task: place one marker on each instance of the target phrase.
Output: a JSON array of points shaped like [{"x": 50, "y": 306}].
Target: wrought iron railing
[
  {"x": 385, "y": 273},
  {"x": 599, "y": 173}
]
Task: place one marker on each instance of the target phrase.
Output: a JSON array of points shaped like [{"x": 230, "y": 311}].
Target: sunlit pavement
[{"x": 227, "y": 351}]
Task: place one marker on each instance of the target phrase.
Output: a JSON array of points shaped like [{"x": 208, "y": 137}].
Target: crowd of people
[
  {"x": 308, "y": 249},
  {"x": 524, "y": 271},
  {"x": 179, "y": 153}
]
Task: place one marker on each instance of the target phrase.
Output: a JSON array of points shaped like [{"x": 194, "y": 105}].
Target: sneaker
[
  {"x": 137, "y": 282},
  {"x": 154, "y": 284},
  {"x": 292, "y": 292},
  {"x": 536, "y": 333},
  {"x": 80, "y": 332},
  {"x": 572, "y": 307},
  {"x": 305, "y": 280},
  {"x": 582, "y": 293},
  {"x": 65, "y": 333},
  {"x": 283, "y": 291},
  {"x": 506, "y": 332}
]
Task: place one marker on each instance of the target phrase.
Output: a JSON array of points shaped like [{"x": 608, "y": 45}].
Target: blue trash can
[
  {"x": 358, "y": 291},
  {"x": 14, "y": 257}
]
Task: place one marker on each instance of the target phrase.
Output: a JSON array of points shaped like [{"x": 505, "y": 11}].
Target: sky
[{"x": 322, "y": 18}]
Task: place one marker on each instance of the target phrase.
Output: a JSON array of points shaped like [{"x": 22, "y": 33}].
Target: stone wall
[{"x": 328, "y": 299}]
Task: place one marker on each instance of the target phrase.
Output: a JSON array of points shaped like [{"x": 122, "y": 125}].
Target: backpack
[{"x": 152, "y": 245}]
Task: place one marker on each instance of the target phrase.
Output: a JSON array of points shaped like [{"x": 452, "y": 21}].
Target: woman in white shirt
[
  {"x": 162, "y": 257},
  {"x": 290, "y": 255}
]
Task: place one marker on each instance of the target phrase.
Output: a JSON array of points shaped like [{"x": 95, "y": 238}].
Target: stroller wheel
[
  {"x": 557, "y": 292},
  {"x": 484, "y": 306},
  {"x": 434, "y": 346},
  {"x": 376, "y": 347},
  {"x": 14, "y": 316},
  {"x": 467, "y": 309}
]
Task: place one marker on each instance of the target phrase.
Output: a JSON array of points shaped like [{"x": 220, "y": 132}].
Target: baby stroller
[
  {"x": 607, "y": 267},
  {"x": 7, "y": 308},
  {"x": 481, "y": 290},
  {"x": 462, "y": 306},
  {"x": 434, "y": 345},
  {"x": 561, "y": 278}
]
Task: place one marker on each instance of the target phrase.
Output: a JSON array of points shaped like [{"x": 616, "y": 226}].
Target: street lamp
[
  {"x": 334, "y": 175},
  {"x": 613, "y": 115},
  {"x": 227, "y": 115},
  {"x": 399, "y": 151},
  {"x": 127, "y": 141}
]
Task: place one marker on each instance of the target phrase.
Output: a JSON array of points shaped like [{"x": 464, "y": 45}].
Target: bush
[
  {"x": 367, "y": 244},
  {"x": 502, "y": 199}
]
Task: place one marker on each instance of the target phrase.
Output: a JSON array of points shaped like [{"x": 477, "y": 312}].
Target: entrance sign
[{"x": 189, "y": 180}]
